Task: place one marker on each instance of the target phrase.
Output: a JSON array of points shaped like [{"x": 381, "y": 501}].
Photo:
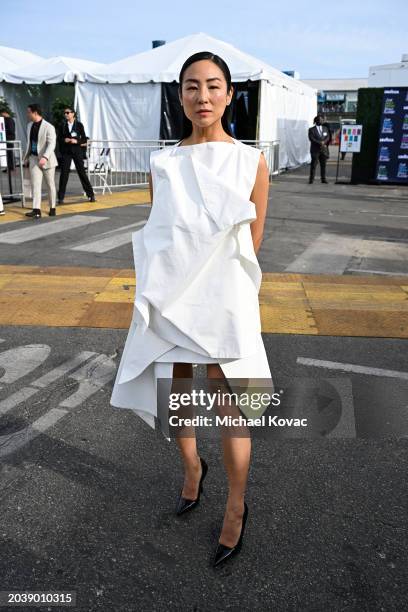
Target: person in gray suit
[{"x": 41, "y": 158}]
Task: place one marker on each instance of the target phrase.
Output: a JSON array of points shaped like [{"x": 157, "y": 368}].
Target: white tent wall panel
[
  {"x": 286, "y": 116},
  {"x": 121, "y": 112}
]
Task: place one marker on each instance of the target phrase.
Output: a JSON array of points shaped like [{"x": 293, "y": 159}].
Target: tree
[{"x": 5, "y": 107}]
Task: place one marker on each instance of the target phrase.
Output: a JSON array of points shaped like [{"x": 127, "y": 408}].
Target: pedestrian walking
[
  {"x": 41, "y": 158},
  {"x": 198, "y": 280},
  {"x": 319, "y": 136},
  {"x": 71, "y": 138}
]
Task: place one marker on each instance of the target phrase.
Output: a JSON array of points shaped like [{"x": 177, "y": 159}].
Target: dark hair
[
  {"x": 35, "y": 108},
  {"x": 187, "y": 127},
  {"x": 319, "y": 115}
]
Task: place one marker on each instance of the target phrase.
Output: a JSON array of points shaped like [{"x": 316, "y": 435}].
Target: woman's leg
[
  {"x": 237, "y": 453},
  {"x": 188, "y": 445}
]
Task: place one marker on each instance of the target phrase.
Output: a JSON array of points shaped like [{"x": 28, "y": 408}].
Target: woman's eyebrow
[{"x": 197, "y": 80}]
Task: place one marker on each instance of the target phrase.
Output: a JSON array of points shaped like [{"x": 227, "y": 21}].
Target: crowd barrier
[
  {"x": 11, "y": 172},
  {"x": 114, "y": 164}
]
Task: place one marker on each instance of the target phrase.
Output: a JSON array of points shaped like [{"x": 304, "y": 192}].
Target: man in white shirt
[{"x": 319, "y": 137}]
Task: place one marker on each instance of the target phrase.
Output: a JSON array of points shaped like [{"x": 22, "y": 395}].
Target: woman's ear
[{"x": 230, "y": 95}]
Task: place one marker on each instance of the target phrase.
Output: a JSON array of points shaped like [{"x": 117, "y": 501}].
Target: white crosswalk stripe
[
  {"x": 330, "y": 253},
  {"x": 107, "y": 240},
  {"x": 41, "y": 230}
]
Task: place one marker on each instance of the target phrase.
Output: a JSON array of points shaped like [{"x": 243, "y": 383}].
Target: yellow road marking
[
  {"x": 369, "y": 306},
  {"x": 75, "y": 204}
]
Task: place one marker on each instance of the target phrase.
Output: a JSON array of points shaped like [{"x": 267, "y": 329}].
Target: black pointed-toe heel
[
  {"x": 184, "y": 504},
  {"x": 226, "y": 552}
]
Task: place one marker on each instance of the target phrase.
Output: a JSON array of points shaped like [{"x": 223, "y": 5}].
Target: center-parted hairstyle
[{"x": 218, "y": 61}]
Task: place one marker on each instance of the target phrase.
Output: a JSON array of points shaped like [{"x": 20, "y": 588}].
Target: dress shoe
[
  {"x": 36, "y": 213},
  {"x": 324, "y": 181},
  {"x": 223, "y": 552},
  {"x": 184, "y": 504},
  {"x": 310, "y": 182},
  {"x": 60, "y": 200},
  {"x": 91, "y": 198},
  {"x": 52, "y": 212}
]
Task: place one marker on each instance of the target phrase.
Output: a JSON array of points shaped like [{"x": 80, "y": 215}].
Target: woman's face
[{"x": 204, "y": 89}]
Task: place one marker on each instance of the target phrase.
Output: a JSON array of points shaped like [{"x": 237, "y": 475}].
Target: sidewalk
[{"x": 323, "y": 305}]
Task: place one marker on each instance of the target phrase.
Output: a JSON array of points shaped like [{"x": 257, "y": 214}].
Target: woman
[
  {"x": 72, "y": 141},
  {"x": 198, "y": 278}
]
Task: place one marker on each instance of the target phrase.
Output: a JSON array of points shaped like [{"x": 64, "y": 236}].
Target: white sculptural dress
[{"x": 197, "y": 274}]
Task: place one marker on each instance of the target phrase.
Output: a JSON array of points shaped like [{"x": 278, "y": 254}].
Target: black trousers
[
  {"x": 318, "y": 158},
  {"x": 65, "y": 169},
  {"x": 10, "y": 159}
]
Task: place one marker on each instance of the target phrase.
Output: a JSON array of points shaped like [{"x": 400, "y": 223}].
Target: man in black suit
[
  {"x": 71, "y": 136},
  {"x": 319, "y": 137}
]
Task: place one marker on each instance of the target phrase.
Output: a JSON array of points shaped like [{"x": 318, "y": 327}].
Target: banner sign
[
  {"x": 350, "y": 140},
  {"x": 392, "y": 158}
]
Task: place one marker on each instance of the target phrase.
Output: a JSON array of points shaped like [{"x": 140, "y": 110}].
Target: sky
[{"x": 325, "y": 40}]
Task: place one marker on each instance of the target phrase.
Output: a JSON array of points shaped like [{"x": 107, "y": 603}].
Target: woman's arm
[{"x": 259, "y": 197}]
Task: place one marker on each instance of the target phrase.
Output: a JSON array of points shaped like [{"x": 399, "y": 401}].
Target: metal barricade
[
  {"x": 125, "y": 164},
  {"x": 11, "y": 172},
  {"x": 270, "y": 149}
]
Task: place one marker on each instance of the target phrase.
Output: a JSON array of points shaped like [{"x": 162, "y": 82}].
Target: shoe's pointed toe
[
  {"x": 221, "y": 553},
  {"x": 185, "y": 504}
]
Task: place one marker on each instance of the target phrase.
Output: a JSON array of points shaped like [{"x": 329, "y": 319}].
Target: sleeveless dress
[{"x": 197, "y": 275}]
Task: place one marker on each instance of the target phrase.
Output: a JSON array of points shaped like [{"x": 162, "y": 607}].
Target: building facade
[{"x": 337, "y": 100}]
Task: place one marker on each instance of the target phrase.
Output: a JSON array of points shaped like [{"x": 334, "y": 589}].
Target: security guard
[{"x": 71, "y": 136}]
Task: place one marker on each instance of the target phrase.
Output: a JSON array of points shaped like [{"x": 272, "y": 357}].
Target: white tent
[
  {"x": 42, "y": 72},
  {"x": 12, "y": 59},
  {"x": 389, "y": 75},
  {"x": 123, "y": 102},
  {"x": 53, "y": 70}
]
